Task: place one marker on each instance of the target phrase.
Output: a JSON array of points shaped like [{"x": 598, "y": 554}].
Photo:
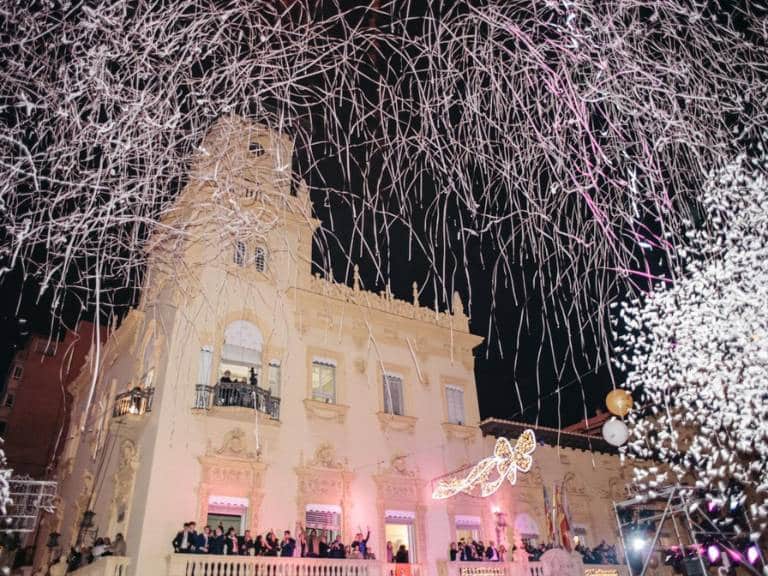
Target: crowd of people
[
  {"x": 476, "y": 551},
  {"x": 101, "y": 547},
  {"x": 310, "y": 543},
  {"x": 602, "y": 554}
]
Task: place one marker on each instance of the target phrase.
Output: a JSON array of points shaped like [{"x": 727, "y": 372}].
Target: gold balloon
[{"x": 619, "y": 402}]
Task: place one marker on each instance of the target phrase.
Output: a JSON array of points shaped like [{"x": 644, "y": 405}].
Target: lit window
[
  {"x": 274, "y": 378},
  {"x": 9, "y": 400},
  {"x": 239, "y": 256},
  {"x": 18, "y": 371},
  {"x": 323, "y": 381},
  {"x": 260, "y": 259},
  {"x": 455, "y": 398},
  {"x": 393, "y": 394}
]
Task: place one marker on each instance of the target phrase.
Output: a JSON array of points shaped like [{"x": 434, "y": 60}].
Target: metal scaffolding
[
  {"x": 28, "y": 497},
  {"x": 679, "y": 506}
]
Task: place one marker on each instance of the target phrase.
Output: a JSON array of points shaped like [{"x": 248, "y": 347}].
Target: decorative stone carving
[
  {"x": 361, "y": 365},
  {"x": 460, "y": 432},
  {"x": 326, "y": 410},
  {"x": 123, "y": 484},
  {"x": 325, "y": 457},
  {"x": 235, "y": 445},
  {"x": 399, "y": 465},
  {"x": 396, "y": 422}
]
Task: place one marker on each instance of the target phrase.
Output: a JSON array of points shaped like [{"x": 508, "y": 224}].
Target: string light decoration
[
  {"x": 490, "y": 473},
  {"x": 696, "y": 353}
]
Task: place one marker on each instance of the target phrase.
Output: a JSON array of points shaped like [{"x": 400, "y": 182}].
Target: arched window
[
  {"x": 241, "y": 352},
  {"x": 260, "y": 258}
]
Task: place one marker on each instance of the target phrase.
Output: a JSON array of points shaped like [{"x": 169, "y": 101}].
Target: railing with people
[
  {"x": 237, "y": 394},
  {"x": 136, "y": 401},
  {"x": 209, "y": 565}
]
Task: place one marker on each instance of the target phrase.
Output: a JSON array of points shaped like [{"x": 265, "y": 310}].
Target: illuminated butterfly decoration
[{"x": 506, "y": 460}]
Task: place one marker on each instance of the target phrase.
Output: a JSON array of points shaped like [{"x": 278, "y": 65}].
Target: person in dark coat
[
  {"x": 184, "y": 542},
  {"x": 216, "y": 542},
  {"x": 201, "y": 544},
  {"x": 271, "y": 545},
  {"x": 402, "y": 555},
  {"x": 288, "y": 545},
  {"x": 245, "y": 543}
]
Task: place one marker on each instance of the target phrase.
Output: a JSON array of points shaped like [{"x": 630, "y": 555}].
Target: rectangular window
[
  {"x": 467, "y": 528},
  {"x": 9, "y": 400},
  {"x": 455, "y": 399},
  {"x": 260, "y": 259},
  {"x": 239, "y": 256},
  {"x": 274, "y": 378},
  {"x": 18, "y": 371},
  {"x": 323, "y": 381},
  {"x": 3, "y": 426},
  {"x": 325, "y": 520},
  {"x": 400, "y": 530},
  {"x": 393, "y": 395}
]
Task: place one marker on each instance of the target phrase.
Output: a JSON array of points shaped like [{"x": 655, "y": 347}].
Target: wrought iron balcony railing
[
  {"x": 137, "y": 401},
  {"x": 237, "y": 394}
]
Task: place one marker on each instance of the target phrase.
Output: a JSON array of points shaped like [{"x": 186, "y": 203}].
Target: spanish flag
[{"x": 563, "y": 524}]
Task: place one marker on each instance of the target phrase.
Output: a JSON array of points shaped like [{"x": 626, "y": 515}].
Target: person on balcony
[
  {"x": 453, "y": 552},
  {"x": 402, "y": 555},
  {"x": 362, "y": 543},
  {"x": 119, "y": 545},
  {"x": 245, "y": 543},
  {"x": 390, "y": 557},
  {"x": 227, "y": 377},
  {"x": 491, "y": 553},
  {"x": 258, "y": 546},
  {"x": 287, "y": 545},
  {"x": 312, "y": 546},
  {"x": 203, "y": 539},
  {"x": 253, "y": 379},
  {"x": 337, "y": 549},
  {"x": 322, "y": 547},
  {"x": 184, "y": 542},
  {"x": 271, "y": 544},
  {"x": 216, "y": 542},
  {"x": 230, "y": 542}
]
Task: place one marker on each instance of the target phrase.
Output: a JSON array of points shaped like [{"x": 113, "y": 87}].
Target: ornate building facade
[{"x": 244, "y": 390}]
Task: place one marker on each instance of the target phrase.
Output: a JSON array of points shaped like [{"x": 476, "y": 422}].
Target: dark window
[
  {"x": 239, "y": 256},
  {"x": 256, "y": 149},
  {"x": 9, "y": 400},
  {"x": 18, "y": 371},
  {"x": 260, "y": 259},
  {"x": 3, "y": 425}
]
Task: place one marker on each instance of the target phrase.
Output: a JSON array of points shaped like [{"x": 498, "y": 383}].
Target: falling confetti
[{"x": 696, "y": 353}]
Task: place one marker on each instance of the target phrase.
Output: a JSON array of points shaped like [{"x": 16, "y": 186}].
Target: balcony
[
  {"x": 105, "y": 566},
  {"x": 208, "y": 565},
  {"x": 237, "y": 395},
  {"x": 134, "y": 402}
]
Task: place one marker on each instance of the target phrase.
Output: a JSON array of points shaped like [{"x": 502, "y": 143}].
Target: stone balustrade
[
  {"x": 209, "y": 565},
  {"x": 524, "y": 569},
  {"x": 104, "y": 566}
]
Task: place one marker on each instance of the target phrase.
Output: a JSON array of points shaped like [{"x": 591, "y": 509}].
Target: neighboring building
[
  {"x": 244, "y": 390},
  {"x": 33, "y": 412},
  {"x": 592, "y": 426}
]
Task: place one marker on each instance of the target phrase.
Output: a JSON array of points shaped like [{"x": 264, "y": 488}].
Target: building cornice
[{"x": 551, "y": 436}]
